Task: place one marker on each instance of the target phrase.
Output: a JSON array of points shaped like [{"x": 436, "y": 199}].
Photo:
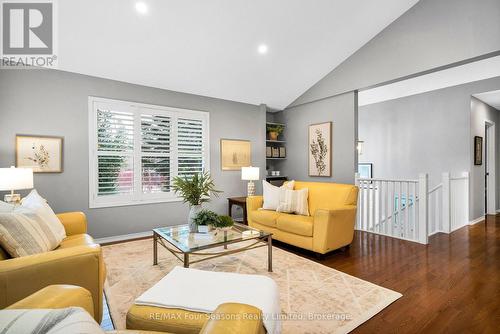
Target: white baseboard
[
  {"x": 477, "y": 220},
  {"x": 123, "y": 237}
]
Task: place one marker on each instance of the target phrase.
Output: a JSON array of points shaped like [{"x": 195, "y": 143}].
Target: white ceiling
[
  {"x": 475, "y": 71},
  {"x": 210, "y": 47},
  {"x": 490, "y": 98}
]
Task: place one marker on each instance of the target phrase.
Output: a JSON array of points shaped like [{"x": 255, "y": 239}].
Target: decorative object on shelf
[
  {"x": 235, "y": 153},
  {"x": 365, "y": 170},
  {"x": 15, "y": 179},
  {"x": 250, "y": 174},
  {"x": 320, "y": 149},
  {"x": 276, "y": 152},
  {"x": 275, "y": 173},
  {"x": 360, "y": 147},
  {"x": 269, "y": 152},
  {"x": 274, "y": 130},
  {"x": 205, "y": 220},
  {"x": 224, "y": 223},
  {"x": 282, "y": 152},
  {"x": 43, "y": 154},
  {"x": 195, "y": 190},
  {"x": 478, "y": 150}
]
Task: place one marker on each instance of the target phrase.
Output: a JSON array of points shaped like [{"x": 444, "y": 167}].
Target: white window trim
[{"x": 138, "y": 198}]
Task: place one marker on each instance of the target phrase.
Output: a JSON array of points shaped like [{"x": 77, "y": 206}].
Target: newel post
[
  {"x": 446, "y": 202},
  {"x": 423, "y": 205},
  {"x": 358, "y": 217}
]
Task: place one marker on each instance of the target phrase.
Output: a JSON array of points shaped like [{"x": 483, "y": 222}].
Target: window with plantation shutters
[{"x": 137, "y": 149}]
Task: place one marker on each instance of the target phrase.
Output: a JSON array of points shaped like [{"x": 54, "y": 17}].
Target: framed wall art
[
  {"x": 320, "y": 149},
  {"x": 235, "y": 153},
  {"x": 478, "y": 150},
  {"x": 42, "y": 153}
]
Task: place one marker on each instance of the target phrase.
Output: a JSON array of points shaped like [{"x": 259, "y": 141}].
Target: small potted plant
[
  {"x": 195, "y": 190},
  {"x": 224, "y": 223},
  {"x": 205, "y": 219},
  {"x": 275, "y": 130}
]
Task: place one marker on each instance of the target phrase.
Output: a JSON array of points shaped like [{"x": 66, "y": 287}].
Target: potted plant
[
  {"x": 205, "y": 219},
  {"x": 224, "y": 223},
  {"x": 275, "y": 130},
  {"x": 195, "y": 190}
]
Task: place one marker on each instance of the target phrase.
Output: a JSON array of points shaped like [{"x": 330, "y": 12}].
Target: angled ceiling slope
[{"x": 210, "y": 48}]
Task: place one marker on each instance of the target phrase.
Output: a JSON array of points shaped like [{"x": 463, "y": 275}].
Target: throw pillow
[
  {"x": 271, "y": 194},
  {"x": 39, "y": 205},
  {"x": 294, "y": 201},
  {"x": 66, "y": 320},
  {"x": 6, "y": 207},
  {"x": 23, "y": 232}
]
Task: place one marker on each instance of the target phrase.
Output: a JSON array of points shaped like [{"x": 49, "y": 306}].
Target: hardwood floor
[{"x": 451, "y": 285}]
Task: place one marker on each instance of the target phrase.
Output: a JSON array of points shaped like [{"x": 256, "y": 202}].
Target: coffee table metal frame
[{"x": 260, "y": 241}]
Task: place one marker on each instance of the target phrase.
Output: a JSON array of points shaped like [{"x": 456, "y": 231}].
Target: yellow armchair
[
  {"x": 77, "y": 261},
  {"x": 331, "y": 225}
]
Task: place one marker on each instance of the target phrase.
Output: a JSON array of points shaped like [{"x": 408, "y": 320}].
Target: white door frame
[{"x": 490, "y": 166}]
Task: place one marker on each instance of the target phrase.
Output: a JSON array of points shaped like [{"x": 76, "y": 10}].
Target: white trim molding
[
  {"x": 476, "y": 221},
  {"x": 124, "y": 237}
]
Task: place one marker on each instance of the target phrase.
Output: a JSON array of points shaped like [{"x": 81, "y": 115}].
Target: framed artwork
[
  {"x": 42, "y": 153},
  {"x": 320, "y": 149},
  {"x": 365, "y": 170},
  {"x": 478, "y": 151},
  {"x": 235, "y": 153},
  {"x": 269, "y": 152},
  {"x": 282, "y": 152}
]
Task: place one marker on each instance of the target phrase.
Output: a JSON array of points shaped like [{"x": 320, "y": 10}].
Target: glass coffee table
[{"x": 182, "y": 243}]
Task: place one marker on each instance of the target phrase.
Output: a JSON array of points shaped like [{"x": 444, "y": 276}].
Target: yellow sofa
[
  {"x": 332, "y": 209},
  {"x": 227, "y": 318},
  {"x": 77, "y": 261}
]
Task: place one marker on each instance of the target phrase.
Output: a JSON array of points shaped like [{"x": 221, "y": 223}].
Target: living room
[{"x": 193, "y": 167}]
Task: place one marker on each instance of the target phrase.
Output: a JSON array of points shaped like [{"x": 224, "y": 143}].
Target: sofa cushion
[
  {"x": 77, "y": 240},
  {"x": 296, "y": 224},
  {"x": 264, "y": 217}
]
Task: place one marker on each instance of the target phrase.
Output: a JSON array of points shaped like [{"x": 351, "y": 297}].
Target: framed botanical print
[
  {"x": 478, "y": 151},
  {"x": 235, "y": 153},
  {"x": 44, "y": 154},
  {"x": 320, "y": 149}
]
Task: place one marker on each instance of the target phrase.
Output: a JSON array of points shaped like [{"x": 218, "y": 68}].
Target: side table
[{"x": 238, "y": 201}]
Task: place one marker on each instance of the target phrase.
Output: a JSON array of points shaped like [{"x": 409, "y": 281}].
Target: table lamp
[
  {"x": 15, "y": 179},
  {"x": 250, "y": 174}
]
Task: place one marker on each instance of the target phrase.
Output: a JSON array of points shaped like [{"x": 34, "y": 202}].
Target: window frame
[{"x": 137, "y": 197}]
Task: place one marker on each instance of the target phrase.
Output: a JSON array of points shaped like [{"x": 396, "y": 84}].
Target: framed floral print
[
  {"x": 42, "y": 153},
  {"x": 320, "y": 149}
]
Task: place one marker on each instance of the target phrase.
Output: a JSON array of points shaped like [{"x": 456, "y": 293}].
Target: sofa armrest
[
  {"x": 333, "y": 228},
  {"x": 81, "y": 266},
  {"x": 254, "y": 202},
  {"x": 74, "y": 222},
  {"x": 234, "y": 318},
  {"x": 57, "y": 296}
]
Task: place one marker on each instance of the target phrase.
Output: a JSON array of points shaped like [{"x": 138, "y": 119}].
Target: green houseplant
[
  {"x": 274, "y": 130},
  {"x": 205, "y": 219},
  {"x": 224, "y": 223},
  {"x": 195, "y": 190}
]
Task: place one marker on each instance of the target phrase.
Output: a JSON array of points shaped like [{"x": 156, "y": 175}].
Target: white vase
[
  {"x": 193, "y": 211},
  {"x": 204, "y": 228}
]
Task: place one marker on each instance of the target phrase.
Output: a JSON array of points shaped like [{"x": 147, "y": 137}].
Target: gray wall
[
  {"x": 430, "y": 132},
  {"x": 480, "y": 113},
  {"x": 341, "y": 111},
  {"x": 48, "y": 102},
  {"x": 431, "y": 34}
]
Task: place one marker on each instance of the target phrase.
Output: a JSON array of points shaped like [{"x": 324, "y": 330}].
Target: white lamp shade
[
  {"x": 16, "y": 178},
  {"x": 250, "y": 173}
]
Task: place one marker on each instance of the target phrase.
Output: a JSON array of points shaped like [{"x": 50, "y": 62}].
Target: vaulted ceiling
[{"x": 211, "y": 47}]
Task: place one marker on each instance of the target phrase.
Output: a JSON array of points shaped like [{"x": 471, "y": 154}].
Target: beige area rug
[{"x": 323, "y": 300}]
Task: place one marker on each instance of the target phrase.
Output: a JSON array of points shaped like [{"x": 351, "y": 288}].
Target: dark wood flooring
[{"x": 451, "y": 285}]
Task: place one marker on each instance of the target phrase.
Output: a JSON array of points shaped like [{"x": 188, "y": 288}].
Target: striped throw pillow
[
  {"x": 49, "y": 321},
  {"x": 294, "y": 201},
  {"x": 23, "y": 232}
]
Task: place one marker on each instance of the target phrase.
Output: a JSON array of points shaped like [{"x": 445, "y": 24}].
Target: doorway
[{"x": 489, "y": 169}]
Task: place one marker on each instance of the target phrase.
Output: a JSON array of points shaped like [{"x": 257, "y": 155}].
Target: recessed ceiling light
[
  {"x": 262, "y": 49},
  {"x": 141, "y": 7}
]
